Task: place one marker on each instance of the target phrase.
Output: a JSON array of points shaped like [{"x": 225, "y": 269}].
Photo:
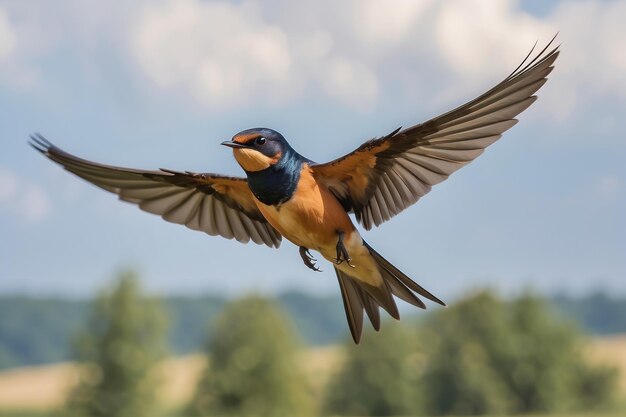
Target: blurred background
[{"x": 109, "y": 311}]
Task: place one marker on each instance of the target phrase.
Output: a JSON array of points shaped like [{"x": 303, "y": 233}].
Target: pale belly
[
  {"x": 313, "y": 220},
  {"x": 307, "y": 222}
]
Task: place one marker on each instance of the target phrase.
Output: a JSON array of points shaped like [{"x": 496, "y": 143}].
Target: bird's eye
[{"x": 260, "y": 140}]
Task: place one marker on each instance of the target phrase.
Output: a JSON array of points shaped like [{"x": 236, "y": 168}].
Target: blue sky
[{"x": 161, "y": 84}]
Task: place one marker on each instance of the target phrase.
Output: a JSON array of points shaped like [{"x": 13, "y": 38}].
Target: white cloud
[
  {"x": 350, "y": 81},
  {"x": 389, "y": 21},
  {"x": 21, "y": 198},
  {"x": 222, "y": 52},
  {"x": 8, "y": 185},
  {"x": 226, "y": 54},
  {"x": 8, "y": 39},
  {"x": 34, "y": 204},
  {"x": 15, "y": 51},
  {"x": 593, "y": 62},
  {"x": 482, "y": 39}
]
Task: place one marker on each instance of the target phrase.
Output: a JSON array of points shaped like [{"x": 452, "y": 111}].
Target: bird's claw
[
  {"x": 339, "y": 261},
  {"x": 308, "y": 259},
  {"x": 342, "y": 252}
]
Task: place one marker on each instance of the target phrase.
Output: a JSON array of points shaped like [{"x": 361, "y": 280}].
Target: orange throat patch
[{"x": 252, "y": 160}]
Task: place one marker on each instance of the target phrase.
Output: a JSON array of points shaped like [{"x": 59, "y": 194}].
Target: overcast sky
[{"x": 151, "y": 84}]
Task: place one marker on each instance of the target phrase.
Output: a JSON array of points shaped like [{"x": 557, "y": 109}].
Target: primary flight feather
[{"x": 287, "y": 195}]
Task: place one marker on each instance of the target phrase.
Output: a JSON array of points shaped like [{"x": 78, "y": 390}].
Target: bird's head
[{"x": 258, "y": 149}]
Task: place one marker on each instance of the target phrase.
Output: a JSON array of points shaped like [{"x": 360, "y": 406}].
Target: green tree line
[
  {"x": 319, "y": 321},
  {"x": 480, "y": 356}
]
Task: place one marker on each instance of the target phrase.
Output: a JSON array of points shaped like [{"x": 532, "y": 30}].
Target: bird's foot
[
  {"x": 308, "y": 259},
  {"x": 342, "y": 252}
]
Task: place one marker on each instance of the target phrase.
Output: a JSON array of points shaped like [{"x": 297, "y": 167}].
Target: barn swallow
[{"x": 285, "y": 194}]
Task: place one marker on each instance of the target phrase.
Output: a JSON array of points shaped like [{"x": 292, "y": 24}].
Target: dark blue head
[
  {"x": 258, "y": 149},
  {"x": 271, "y": 165}
]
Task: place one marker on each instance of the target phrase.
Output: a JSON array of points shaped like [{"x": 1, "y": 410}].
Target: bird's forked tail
[{"x": 358, "y": 296}]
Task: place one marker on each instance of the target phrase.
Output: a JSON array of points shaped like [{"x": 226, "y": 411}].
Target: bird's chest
[
  {"x": 310, "y": 217},
  {"x": 298, "y": 219},
  {"x": 274, "y": 186}
]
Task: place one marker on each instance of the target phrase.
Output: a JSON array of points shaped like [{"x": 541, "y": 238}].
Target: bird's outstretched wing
[
  {"x": 384, "y": 176},
  {"x": 215, "y": 204}
]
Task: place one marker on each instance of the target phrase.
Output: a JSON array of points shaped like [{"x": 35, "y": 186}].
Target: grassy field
[
  {"x": 611, "y": 351},
  {"x": 44, "y": 388}
]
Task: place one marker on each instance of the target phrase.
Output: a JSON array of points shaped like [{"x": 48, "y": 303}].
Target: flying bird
[{"x": 285, "y": 194}]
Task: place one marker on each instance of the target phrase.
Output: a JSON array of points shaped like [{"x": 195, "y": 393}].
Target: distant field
[
  {"x": 611, "y": 350},
  {"x": 36, "y": 388},
  {"x": 45, "y": 387}
]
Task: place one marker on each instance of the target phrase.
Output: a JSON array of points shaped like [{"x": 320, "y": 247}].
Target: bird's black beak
[{"x": 231, "y": 144}]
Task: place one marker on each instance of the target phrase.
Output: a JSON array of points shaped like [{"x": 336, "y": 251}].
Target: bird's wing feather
[
  {"x": 215, "y": 204},
  {"x": 384, "y": 176}
]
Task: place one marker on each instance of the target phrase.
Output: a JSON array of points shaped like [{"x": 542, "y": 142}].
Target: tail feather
[
  {"x": 401, "y": 291},
  {"x": 401, "y": 276},
  {"x": 381, "y": 296},
  {"x": 352, "y": 304},
  {"x": 371, "y": 308},
  {"x": 358, "y": 296}
]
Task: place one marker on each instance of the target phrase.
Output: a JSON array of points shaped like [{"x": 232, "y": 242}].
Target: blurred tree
[
  {"x": 319, "y": 320},
  {"x": 485, "y": 356},
  {"x": 461, "y": 343},
  {"x": 123, "y": 341},
  {"x": 379, "y": 377},
  {"x": 547, "y": 369},
  {"x": 253, "y": 368},
  {"x": 55, "y": 320}
]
